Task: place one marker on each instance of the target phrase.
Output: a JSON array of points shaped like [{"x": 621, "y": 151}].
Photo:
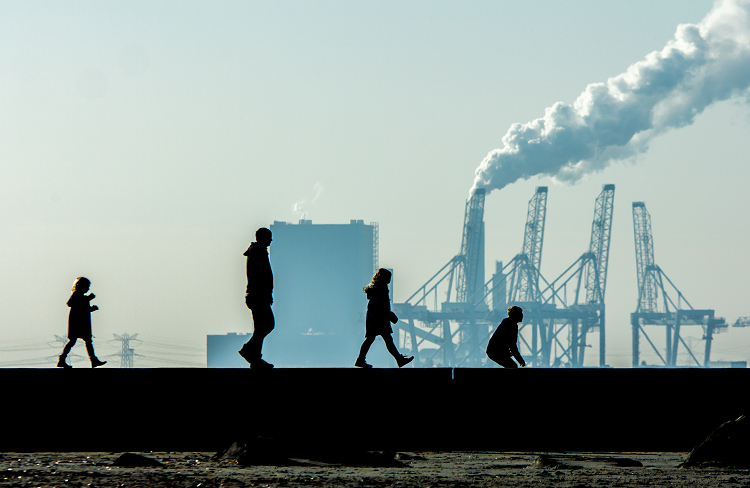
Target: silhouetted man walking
[
  {"x": 259, "y": 297},
  {"x": 502, "y": 344}
]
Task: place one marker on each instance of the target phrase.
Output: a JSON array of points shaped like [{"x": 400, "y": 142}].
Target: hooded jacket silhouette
[
  {"x": 259, "y": 298},
  {"x": 259, "y": 275}
]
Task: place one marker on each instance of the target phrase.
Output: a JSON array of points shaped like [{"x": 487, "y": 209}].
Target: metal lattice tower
[
  {"x": 601, "y": 230},
  {"x": 677, "y": 312},
  {"x": 523, "y": 280},
  {"x": 644, "y": 259},
  {"x": 126, "y": 353},
  {"x": 472, "y": 248},
  {"x": 533, "y": 239},
  {"x": 594, "y": 274}
]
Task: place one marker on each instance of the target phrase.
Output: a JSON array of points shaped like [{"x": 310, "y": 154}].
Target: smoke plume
[
  {"x": 301, "y": 207},
  {"x": 705, "y": 63}
]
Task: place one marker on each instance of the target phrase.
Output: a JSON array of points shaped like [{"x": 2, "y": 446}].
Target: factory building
[{"x": 319, "y": 272}]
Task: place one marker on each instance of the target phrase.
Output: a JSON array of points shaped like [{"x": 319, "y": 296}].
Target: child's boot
[
  {"x": 95, "y": 362},
  {"x": 403, "y": 360}
]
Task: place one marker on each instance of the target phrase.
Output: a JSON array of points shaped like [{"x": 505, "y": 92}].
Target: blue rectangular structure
[{"x": 222, "y": 350}]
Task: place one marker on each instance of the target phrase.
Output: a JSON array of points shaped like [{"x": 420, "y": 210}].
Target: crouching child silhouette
[
  {"x": 379, "y": 318},
  {"x": 502, "y": 344},
  {"x": 79, "y": 322}
]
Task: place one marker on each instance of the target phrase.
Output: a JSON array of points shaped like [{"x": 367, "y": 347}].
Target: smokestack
[{"x": 705, "y": 63}]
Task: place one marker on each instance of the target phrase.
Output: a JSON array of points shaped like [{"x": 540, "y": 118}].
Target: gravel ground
[{"x": 437, "y": 469}]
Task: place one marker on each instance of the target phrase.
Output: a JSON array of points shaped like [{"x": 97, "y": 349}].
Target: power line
[
  {"x": 171, "y": 361},
  {"x": 174, "y": 346},
  {"x": 153, "y": 352}
]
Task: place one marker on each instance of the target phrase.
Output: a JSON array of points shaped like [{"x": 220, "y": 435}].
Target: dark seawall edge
[{"x": 597, "y": 410}]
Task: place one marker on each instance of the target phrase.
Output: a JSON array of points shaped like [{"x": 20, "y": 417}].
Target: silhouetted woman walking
[
  {"x": 79, "y": 322},
  {"x": 379, "y": 318}
]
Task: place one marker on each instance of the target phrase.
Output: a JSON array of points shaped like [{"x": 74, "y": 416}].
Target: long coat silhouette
[
  {"x": 79, "y": 323},
  {"x": 379, "y": 314},
  {"x": 379, "y": 318},
  {"x": 79, "y": 319}
]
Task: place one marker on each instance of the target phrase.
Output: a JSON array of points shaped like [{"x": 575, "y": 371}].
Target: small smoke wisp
[
  {"x": 301, "y": 207},
  {"x": 705, "y": 63}
]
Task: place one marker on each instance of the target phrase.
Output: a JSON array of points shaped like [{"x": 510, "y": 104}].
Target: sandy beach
[{"x": 423, "y": 469}]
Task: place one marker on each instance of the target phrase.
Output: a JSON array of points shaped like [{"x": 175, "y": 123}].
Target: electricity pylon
[{"x": 126, "y": 352}]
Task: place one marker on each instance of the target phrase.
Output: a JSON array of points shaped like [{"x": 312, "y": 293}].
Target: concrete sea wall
[{"x": 408, "y": 409}]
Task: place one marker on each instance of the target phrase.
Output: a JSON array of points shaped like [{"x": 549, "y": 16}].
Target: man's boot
[
  {"x": 62, "y": 364},
  {"x": 245, "y": 355},
  {"x": 361, "y": 363},
  {"x": 260, "y": 364}
]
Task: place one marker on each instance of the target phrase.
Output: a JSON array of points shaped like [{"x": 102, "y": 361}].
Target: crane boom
[
  {"x": 470, "y": 276},
  {"x": 533, "y": 239},
  {"x": 644, "y": 259},
  {"x": 601, "y": 229}
]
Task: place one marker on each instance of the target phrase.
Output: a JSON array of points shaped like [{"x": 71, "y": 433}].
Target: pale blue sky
[{"x": 142, "y": 143}]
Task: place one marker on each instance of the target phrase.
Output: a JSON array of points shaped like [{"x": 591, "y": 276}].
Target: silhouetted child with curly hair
[
  {"x": 379, "y": 318},
  {"x": 79, "y": 322}
]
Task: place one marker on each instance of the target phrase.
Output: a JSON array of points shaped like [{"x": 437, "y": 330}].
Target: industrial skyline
[{"x": 144, "y": 144}]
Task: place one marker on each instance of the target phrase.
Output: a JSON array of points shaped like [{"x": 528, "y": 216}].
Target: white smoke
[
  {"x": 616, "y": 120},
  {"x": 301, "y": 208}
]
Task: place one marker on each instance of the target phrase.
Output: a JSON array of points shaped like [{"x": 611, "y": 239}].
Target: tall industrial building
[{"x": 319, "y": 272}]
